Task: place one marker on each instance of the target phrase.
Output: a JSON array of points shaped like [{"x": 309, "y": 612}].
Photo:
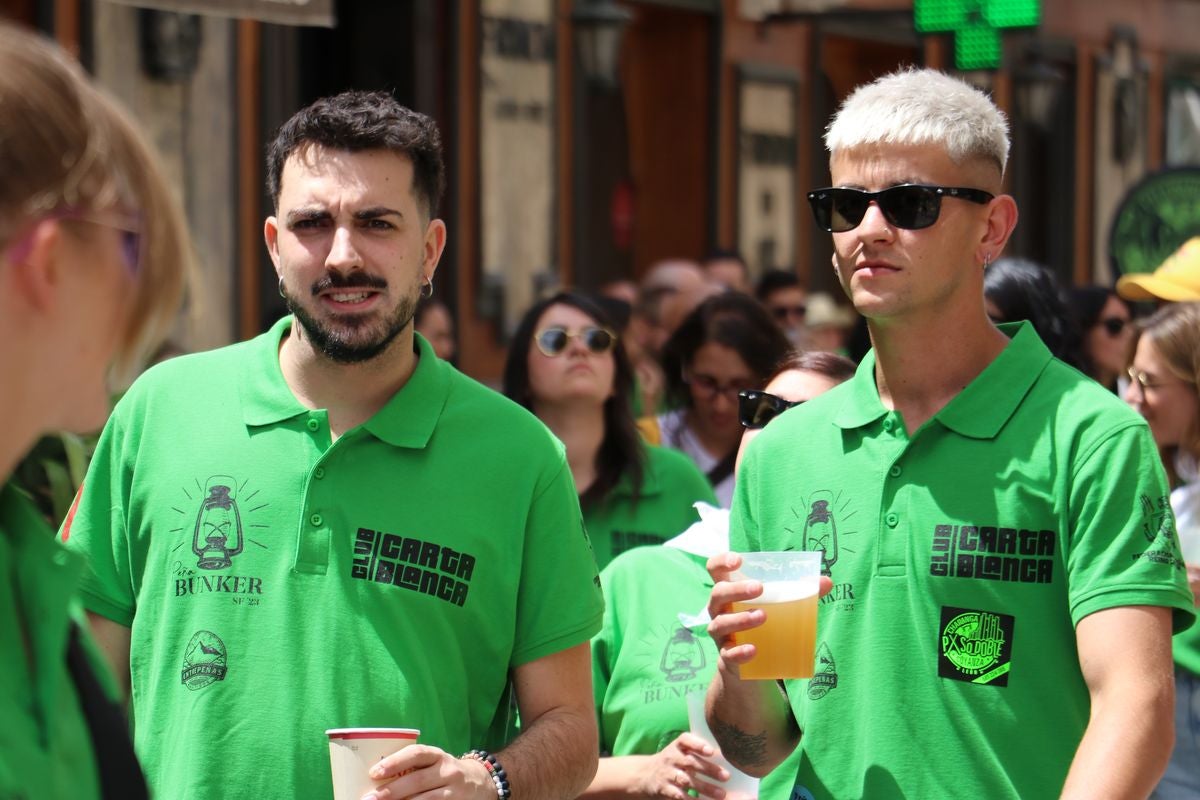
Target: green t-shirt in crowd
[
  {"x": 278, "y": 584},
  {"x": 45, "y": 746},
  {"x": 962, "y": 558},
  {"x": 670, "y": 485}
]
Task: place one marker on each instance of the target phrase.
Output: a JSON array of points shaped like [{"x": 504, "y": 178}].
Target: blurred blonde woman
[
  {"x": 92, "y": 266},
  {"x": 1163, "y": 381}
]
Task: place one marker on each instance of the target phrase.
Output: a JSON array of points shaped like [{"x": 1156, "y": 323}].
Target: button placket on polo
[
  {"x": 892, "y": 540},
  {"x": 314, "y": 535}
]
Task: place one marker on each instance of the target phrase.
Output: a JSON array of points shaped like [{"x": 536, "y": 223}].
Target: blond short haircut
[
  {"x": 1174, "y": 330},
  {"x": 919, "y": 107},
  {"x": 66, "y": 145}
]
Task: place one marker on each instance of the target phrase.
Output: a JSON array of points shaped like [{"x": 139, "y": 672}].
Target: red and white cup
[{"x": 353, "y": 751}]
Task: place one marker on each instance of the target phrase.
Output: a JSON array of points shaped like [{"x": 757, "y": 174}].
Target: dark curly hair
[
  {"x": 355, "y": 121},
  {"x": 621, "y": 453}
]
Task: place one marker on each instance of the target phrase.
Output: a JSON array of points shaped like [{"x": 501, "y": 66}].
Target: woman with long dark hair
[
  {"x": 567, "y": 365},
  {"x": 1106, "y": 329},
  {"x": 728, "y": 344}
]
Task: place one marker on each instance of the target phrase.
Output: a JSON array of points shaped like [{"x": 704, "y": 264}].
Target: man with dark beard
[{"x": 327, "y": 526}]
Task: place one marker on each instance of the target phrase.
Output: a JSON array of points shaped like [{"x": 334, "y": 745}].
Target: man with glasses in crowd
[
  {"x": 328, "y": 526},
  {"x": 786, "y": 300},
  {"x": 1003, "y": 571}
]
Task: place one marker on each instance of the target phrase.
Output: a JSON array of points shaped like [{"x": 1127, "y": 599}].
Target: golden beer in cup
[{"x": 786, "y": 641}]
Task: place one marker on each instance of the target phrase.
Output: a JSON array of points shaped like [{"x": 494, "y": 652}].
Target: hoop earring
[
  {"x": 426, "y": 295},
  {"x": 281, "y": 292},
  {"x": 987, "y": 260}
]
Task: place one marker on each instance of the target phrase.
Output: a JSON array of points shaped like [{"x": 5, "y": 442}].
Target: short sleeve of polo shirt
[
  {"x": 1123, "y": 548},
  {"x": 95, "y": 527},
  {"x": 560, "y": 604}
]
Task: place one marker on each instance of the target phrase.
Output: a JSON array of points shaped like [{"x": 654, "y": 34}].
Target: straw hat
[
  {"x": 823, "y": 311},
  {"x": 1177, "y": 280}
]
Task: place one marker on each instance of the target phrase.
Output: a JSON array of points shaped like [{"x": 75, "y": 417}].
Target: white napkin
[{"x": 706, "y": 538}]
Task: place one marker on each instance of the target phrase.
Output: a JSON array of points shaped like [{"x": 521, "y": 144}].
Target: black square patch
[{"x": 975, "y": 646}]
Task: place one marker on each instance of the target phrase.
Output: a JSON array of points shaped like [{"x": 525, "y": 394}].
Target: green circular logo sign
[
  {"x": 973, "y": 642},
  {"x": 1156, "y": 216}
]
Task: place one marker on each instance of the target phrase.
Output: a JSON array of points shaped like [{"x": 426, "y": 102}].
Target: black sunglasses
[
  {"x": 910, "y": 206},
  {"x": 1113, "y": 325},
  {"x": 756, "y": 409},
  {"x": 553, "y": 341},
  {"x": 781, "y": 313}
]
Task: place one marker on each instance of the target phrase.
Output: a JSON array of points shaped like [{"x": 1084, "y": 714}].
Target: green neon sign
[{"x": 976, "y": 25}]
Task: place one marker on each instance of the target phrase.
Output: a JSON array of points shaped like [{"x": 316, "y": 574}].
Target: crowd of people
[{"x": 330, "y": 526}]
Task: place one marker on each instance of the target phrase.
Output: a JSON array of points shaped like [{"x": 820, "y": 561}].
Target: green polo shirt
[
  {"x": 278, "y": 584},
  {"x": 671, "y": 483},
  {"x": 962, "y": 558},
  {"x": 45, "y": 746}
]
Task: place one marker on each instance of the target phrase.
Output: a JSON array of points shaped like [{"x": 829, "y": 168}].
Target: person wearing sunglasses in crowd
[
  {"x": 646, "y": 659},
  {"x": 783, "y": 295},
  {"x": 978, "y": 505},
  {"x": 568, "y": 366},
  {"x": 1016, "y": 289},
  {"x": 727, "y": 344},
  {"x": 1164, "y": 377},
  {"x": 1106, "y": 332},
  {"x": 93, "y": 261},
  {"x": 327, "y": 525}
]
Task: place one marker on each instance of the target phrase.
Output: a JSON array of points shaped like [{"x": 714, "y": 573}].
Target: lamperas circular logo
[{"x": 204, "y": 660}]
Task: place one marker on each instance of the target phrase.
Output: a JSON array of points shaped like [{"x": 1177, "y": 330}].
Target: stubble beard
[{"x": 352, "y": 339}]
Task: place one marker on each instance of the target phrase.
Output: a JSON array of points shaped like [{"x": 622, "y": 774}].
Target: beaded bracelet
[{"x": 495, "y": 771}]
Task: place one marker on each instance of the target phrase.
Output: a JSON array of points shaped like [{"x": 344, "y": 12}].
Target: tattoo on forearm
[{"x": 739, "y": 746}]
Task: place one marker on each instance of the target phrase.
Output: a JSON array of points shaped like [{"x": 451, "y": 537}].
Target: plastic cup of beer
[
  {"x": 353, "y": 751},
  {"x": 784, "y": 643}
]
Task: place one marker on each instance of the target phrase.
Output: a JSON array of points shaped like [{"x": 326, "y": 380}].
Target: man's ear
[
  {"x": 271, "y": 236},
  {"x": 1001, "y": 221},
  {"x": 435, "y": 243},
  {"x": 32, "y": 267}
]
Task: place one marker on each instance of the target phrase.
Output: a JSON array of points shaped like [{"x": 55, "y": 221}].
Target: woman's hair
[
  {"x": 919, "y": 107},
  {"x": 1174, "y": 330},
  {"x": 1023, "y": 290},
  {"x": 621, "y": 453},
  {"x": 1087, "y": 303},
  {"x": 65, "y": 145},
  {"x": 734, "y": 320},
  {"x": 831, "y": 365}
]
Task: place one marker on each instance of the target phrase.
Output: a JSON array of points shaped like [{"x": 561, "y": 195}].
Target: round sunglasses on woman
[{"x": 552, "y": 341}]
